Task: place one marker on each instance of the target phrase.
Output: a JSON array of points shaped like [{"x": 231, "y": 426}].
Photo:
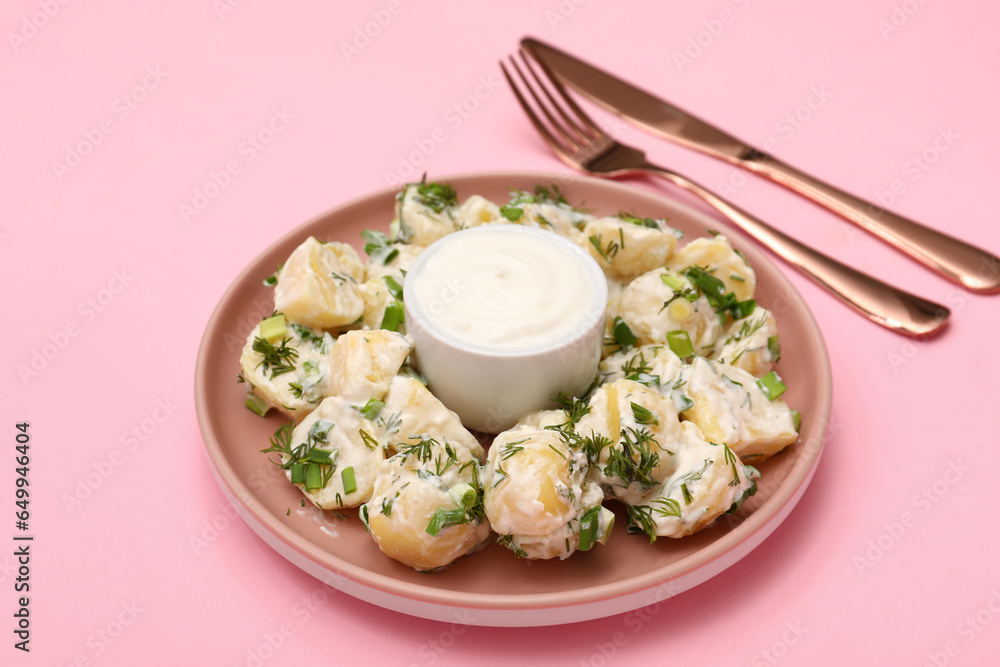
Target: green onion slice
[
  {"x": 676, "y": 283},
  {"x": 394, "y": 287},
  {"x": 256, "y": 404},
  {"x": 313, "y": 476},
  {"x": 608, "y": 521},
  {"x": 273, "y": 328},
  {"x": 319, "y": 457},
  {"x": 372, "y": 408},
  {"x": 743, "y": 309},
  {"x": 393, "y": 316},
  {"x": 771, "y": 385},
  {"x": 463, "y": 494},
  {"x": 680, "y": 343},
  {"x": 443, "y": 518},
  {"x": 774, "y": 347},
  {"x": 347, "y": 477}
]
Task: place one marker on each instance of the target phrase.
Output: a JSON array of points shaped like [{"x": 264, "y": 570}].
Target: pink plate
[{"x": 492, "y": 587}]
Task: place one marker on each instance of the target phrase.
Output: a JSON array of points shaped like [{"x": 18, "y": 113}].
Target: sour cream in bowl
[{"x": 504, "y": 318}]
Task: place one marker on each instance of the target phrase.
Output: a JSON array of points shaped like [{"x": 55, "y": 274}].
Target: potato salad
[{"x": 686, "y": 401}]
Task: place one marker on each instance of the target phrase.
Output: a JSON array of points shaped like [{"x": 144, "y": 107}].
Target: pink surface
[{"x": 113, "y": 261}]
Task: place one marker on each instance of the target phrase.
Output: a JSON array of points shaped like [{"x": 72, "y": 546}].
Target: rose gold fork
[{"x": 581, "y": 144}]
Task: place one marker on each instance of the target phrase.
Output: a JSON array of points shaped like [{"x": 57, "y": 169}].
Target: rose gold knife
[{"x": 969, "y": 266}]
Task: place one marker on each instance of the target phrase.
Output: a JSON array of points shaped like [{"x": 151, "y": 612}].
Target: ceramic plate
[{"x": 492, "y": 587}]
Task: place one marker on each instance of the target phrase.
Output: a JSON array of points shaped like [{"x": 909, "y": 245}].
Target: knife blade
[
  {"x": 973, "y": 268},
  {"x": 636, "y": 105}
]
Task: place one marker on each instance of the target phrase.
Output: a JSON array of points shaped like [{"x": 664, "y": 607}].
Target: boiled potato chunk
[
  {"x": 364, "y": 363},
  {"x": 318, "y": 285},
  {"x": 352, "y": 450},
  {"x": 290, "y": 373},
  {"x": 542, "y": 419},
  {"x": 655, "y": 366},
  {"x": 412, "y": 411},
  {"x": 377, "y": 298},
  {"x": 750, "y": 343},
  {"x": 626, "y": 248},
  {"x": 545, "y": 208},
  {"x": 657, "y": 302},
  {"x": 717, "y": 256},
  {"x": 558, "y": 218},
  {"x": 631, "y": 433},
  {"x": 709, "y": 480},
  {"x": 402, "y": 257},
  {"x": 730, "y": 407},
  {"x": 424, "y": 213},
  {"x": 426, "y": 508},
  {"x": 537, "y": 496},
  {"x": 476, "y": 211}
]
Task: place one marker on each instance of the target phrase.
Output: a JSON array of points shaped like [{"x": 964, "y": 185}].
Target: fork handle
[
  {"x": 882, "y": 303},
  {"x": 974, "y": 268}
]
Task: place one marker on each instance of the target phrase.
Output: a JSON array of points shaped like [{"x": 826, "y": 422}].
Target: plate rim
[{"x": 718, "y": 550}]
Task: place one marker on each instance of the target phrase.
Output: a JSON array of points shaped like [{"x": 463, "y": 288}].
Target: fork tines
[{"x": 576, "y": 133}]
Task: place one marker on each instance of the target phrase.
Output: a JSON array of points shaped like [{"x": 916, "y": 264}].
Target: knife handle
[
  {"x": 878, "y": 301},
  {"x": 974, "y": 268}
]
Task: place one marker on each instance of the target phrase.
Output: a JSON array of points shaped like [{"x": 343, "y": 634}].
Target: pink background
[{"x": 890, "y": 558}]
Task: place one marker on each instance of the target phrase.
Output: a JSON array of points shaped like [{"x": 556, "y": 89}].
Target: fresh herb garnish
[
  {"x": 272, "y": 279},
  {"x": 732, "y": 462},
  {"x": 508, "y": 542},
  {"x": 622, "y": 334},
  {"x": 715, "y": 292},
  {"x": 372, "y": 409},
  {"x": 574, "y": 407},
  {"x": 307, "y": 464},
  {"x": 774, "y": 347},
  {"x": 634, "y": 459},
  {"x": 640, "y": 520},
  {"x": 277, "y": 359},
  {"x": 610, "y": 250},
  {"x": 667, "y": 507},
  {"x": 511, "y": 212},
  {"x": 430, "y": 452},
  {"x": 644, "y": 415},
  {"x": 378, "y": 248},
  {"x": 307, "y": 335},
  {"x": 435, "y": 196},
  {"x": 593, "y": 445},
  {"x": 370, "y": 442},
  {"x": 636, "y": 220}
]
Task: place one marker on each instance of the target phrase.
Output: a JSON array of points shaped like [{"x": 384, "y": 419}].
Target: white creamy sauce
[{"x": 499, "y": 289}]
